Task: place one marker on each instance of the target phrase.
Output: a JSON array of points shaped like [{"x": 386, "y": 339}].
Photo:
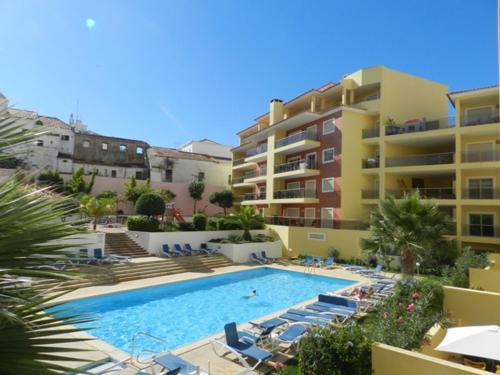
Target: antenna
[{"x": 77, "y": 109}]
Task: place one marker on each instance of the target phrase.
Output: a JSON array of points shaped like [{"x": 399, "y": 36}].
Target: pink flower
[
  {"x": 400, "y": 320},
  {"x": 411, "y": 308},
  {"x": 386, "y": 315},
  {"x": 278, "y": 366},
  {"x": 415, "y": 295}
]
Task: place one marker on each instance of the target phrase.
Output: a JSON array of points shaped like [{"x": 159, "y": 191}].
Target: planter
[{"x": 240, "y": 253}]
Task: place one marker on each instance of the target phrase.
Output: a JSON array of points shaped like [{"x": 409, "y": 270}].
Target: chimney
[{"x": 275, "y": 111}]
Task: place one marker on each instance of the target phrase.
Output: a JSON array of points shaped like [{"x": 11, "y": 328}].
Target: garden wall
[
  {"x": 153, "y": 241},
  {"x": 88, "y": 240},
  {"x": 472, "y": 307},
  {"x": 389, "y": 360},
  {"x": 240, "y": 253},
  {"x": 488, "y": 280}
]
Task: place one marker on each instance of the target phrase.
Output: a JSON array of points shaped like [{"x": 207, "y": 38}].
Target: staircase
[
  {"x": 121, "y": 244},
  {"x": 116, "y": 273}
]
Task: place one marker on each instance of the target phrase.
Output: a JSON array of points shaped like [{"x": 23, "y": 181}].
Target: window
[
  {"x": 316, "y": 236},
  {"x": 113, "y": 173},
  {"x": 86, "y": 144},
  {"x": 328, "y": 126},
  {"x": 327, "y": 217},
  {"x": 104, "y": 146},
  {"x": 139, "y": 175},
  {"x": 123, "y": 148},
  {"x": 309, "y": 216},
  {"x": 481, "y": 188},
  {"x": 293, "y": 185},
  {"x": 64, "y": 161},
  {"x": 480, "y": 151},
  {"x": 201, "y": 176},
  {"x": 64, "y": 137},
  {"x": 311, "y": 160},
  {"x": 139, "y": 150},
  {"x": 478, "y": 115},
  {"x": 292, "y": 212},
  {"x": 327, "y": 185},
  {"x": 482, "y": 225},
  {"x": 293, "y": 158},
  {"x": 168, "y": 175},
  {"x": 229, "y": 179},
  {"x": 39, "y": 142},
  {"x": 328, "y": 155}
]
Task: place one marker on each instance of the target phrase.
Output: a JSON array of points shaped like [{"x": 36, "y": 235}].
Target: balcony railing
[
  {"x": 256, "y": 173},
  {"x": 476, "y": 157},
  {"x": 316, "y": 223},
  {"x": 303, "y": 135},
  {"x": 425, "y": 159},
  {"x": 480, "y": 120},
  {"x": 238, "y": 162},
  {"x": 426, "y": 193},
  {"x": 371, "y": 133},
  {"x": 253, "y": 196},
  {"x": 257, "y": 150},
  {"x": 294, "y": 193},
  {"x": 481, "y": 193},
  {"x": 374, "y": 96},
  {"x": 294, "y": 166},
  {"x": 370, "y": 194},
  {"x": 371, "y": 162},
  {"x": 422, "y": 125},
  {"x": 481, "y": 230},
  {"x": 237, "y": 180}
]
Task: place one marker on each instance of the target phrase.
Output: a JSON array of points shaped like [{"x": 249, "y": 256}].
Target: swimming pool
[{"x": 187, "y": 311}]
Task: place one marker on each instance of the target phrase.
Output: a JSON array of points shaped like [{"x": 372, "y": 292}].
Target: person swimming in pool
[{"x": 252, "y": 294}]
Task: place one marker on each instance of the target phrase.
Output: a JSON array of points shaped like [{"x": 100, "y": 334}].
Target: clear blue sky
[{"x": 168, "y": 71}]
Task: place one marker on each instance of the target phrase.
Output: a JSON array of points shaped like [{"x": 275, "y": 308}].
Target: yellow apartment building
[{"x": 316, "y": 165}]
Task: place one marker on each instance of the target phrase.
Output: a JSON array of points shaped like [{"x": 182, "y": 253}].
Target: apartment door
[
  {"x": 480, "y": 151},
  {"x": 311, "y": 160},
  {"x": 327, "y": 217},
  {"x": 482, "y": 225},
  {"x": 417, "y": 183},
  {"x": 312, "y": 132},
  {"x": 310, "y": 189},
  {"x": 309, "y": 216},
  {"x": 480, "y": 188}
]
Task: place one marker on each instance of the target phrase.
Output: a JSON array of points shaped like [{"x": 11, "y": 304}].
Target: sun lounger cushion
[{"x": 171, "y": 362}]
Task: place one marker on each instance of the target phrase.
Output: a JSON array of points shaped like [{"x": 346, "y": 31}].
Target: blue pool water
[{"x": 190, "y": 310}]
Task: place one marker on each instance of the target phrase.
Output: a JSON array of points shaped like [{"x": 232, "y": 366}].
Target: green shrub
[
  {"x": 213, "y": 224},
  {"x": 150, "y": 204},
  {"x": 262, "y": 238},
  {"x": 200, "y": 222},
  {"x": 143, "y": 224},
  {"x": 170, "y": 227},
  {"x": 347, "y": 350},
  {"x": 235, "y": 238},
  {"x": 186, "y": 227},
  {"x": 229, "y": 223},
  {"x": 434, "y": 259},
  {"x": 257, "y": 222},
  {"x": 458, "y": 274}
]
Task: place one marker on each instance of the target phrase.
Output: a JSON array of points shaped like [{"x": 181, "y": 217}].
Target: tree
[
  {"x": 133, "y": 190},
  {"x": 166, "y": 194},
  {"x": 77, "y": 184},
  {"x": 31, "y": 231},
  {"x": 150, "y": 204},
  {"x": 196, "y": 189},
  {"x": 410, "y": 227},
  {"x": 52, "y": 179},
  {"x": 96, "y": 208},
  {"x": 223, "y": 199},
  {"x": 246, "y": 217}
]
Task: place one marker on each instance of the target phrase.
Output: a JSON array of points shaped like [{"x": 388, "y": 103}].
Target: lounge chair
[
  {"x": 241, "y": 349},
  {"x": 256, "y": 259},
  {"x": 308, "y": 262},
  {"x": 318, "y": 262},
  {"x": 338, "y": 305},
  {"x": 315, "y": 321},
  {"x": 269, "y": 324},
  {"x": 292, "y": 335},
  {"x": 188, "y": 247},
  {"x": 368, "y": 272},
  {"x": 180, "y": 250},
  {"x": 99, "y": 257},
  {"x": 329, "y": 263},
  {"x": 205, "y": 250},
  {"x": 354, "y": 268},
  {"x": 169, "y": 253},
  {"x": 174, "y": 365},
  {"x": 265, "y": 257}
]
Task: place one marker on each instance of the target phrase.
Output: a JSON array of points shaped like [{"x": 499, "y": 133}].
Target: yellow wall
[
  {"x": 389, "y": 360},
  {"x": 347, "y": 242},
  {"x": 472, "y": 307},
  {"x": 494, "y": 258},
  {"x": 488, "y": 280}
]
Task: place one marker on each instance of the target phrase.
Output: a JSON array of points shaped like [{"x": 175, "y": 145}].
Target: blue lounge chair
[
  {"x": 338, "y": 305},
  {"x": 351, "y": 267},
  {"x": 205, "y": 250},
  {"x": 242, "y": 349},
  {"x": 83, "y": 256},
  {"x": 175, "y": 365},
  {"x": 169, "y": 253},
  {"x": 368, "y": 272},
  {"x": 292, "y": 334},
  {"x": 313, "y": 314},
  {"x": 269, "y": 260},
  {"x": 269, "y": 324},
  {"x": 188, "y": 247},
  {"x": 308, "y": 262},
  {"x": 317, "y": 262},
  {"x": 329, "y": 263},
  {"x": 321, "y": 322},
  {"x": 255, "y": 258},
  {"x": 99, "y": 257},
  {"x": 180, "y": 250}
]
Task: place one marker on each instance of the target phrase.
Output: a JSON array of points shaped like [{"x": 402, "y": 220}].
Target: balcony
[
  {"x": 295, "y": 194},
  {"x": 316, "y": 223},
  {"x": 481, "y": 193},
  {"x": 480, "y": 120},
  {"x": 371, "y": 133},
  {"x": 237, "y": 180},
  {"x": 481, "y": 231},
  {"x": 238, "y": 162},
  {"x": 424, "y": 159},
  {"x": 479, "y": 157},
  {"x": 371, "y": 162},
  {"x": 425, "y": 193},
  {"x": 301, "y": 141},
  {"x": 299, "y": 168},
  {"x": 370, "y": 194},
  {"x": 253, "y": 196},
  {"x": 422, "y": 125},
  {"x": 256, "y": 150}
]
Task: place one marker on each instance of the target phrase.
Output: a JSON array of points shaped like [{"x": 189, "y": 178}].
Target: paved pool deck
[{"x": 199, "y": 352}]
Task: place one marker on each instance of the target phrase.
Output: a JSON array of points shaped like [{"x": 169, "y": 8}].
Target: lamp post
[{"x": 418, "y": 268}]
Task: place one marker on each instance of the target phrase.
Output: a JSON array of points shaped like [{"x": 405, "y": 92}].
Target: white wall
[
  {"x": 88, "y": 241},
  {"x": 208, "y": 148},
  {"x": 153, "y": 241},
  {"x": 240, "y": 253},
  {"x": 105, "y": 170}
]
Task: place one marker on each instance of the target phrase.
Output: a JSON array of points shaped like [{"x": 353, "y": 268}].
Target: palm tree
[
  {"x": 97, "y": 207},
  {"x": 409, "y": 226},
  {"x": 31, "y": 230},
  {"x": 246, "y": 217}
]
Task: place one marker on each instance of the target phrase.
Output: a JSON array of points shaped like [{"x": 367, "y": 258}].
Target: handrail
[
  {"x": 133, "y": 346},
  {"x": 297, "y": 137},
  {"x": 293, "y": 166},
  {"x": 422, "y": 159}
]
